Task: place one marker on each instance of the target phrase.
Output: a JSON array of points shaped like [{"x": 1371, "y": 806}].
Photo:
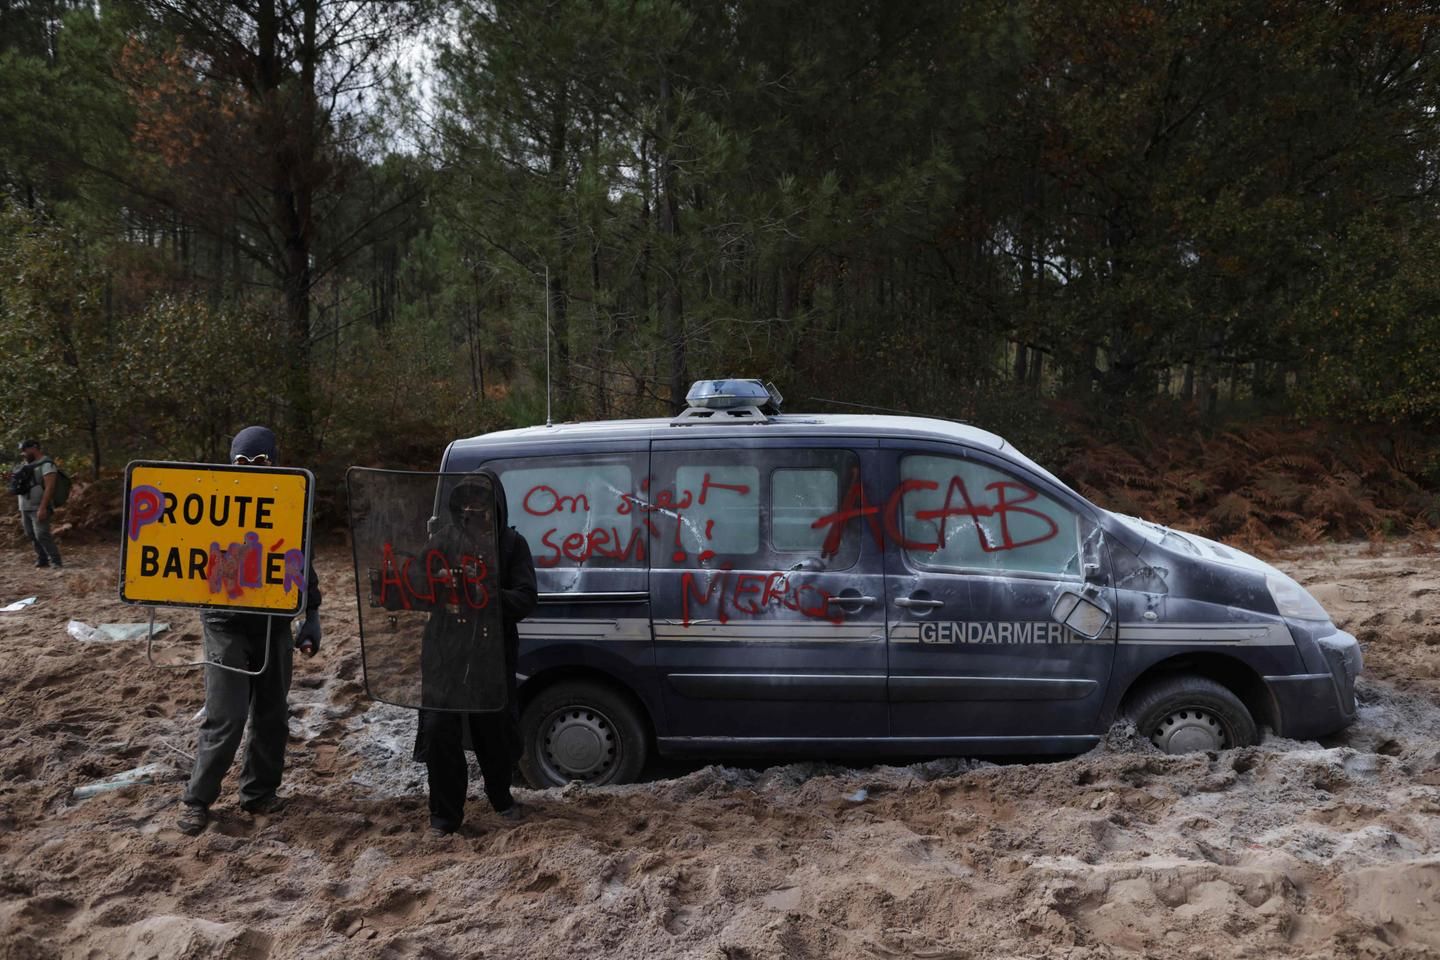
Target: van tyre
[
  {"x": 582, "y": 731},
  {"x": 1187, "y": 714}
]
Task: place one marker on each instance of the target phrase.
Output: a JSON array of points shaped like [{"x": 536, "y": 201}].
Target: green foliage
[
  {"x": 1372, "y": 324},
  {"x": 193, "y": 371},
  {"x": 171, "y": 379},
  {"x": 55, "y": 332},
  {"x": 1206, "y": 209},
  {"x": 63, "y": 115}
]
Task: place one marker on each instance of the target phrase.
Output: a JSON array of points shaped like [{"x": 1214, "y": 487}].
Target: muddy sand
[{"x": 1288, "y": 849}]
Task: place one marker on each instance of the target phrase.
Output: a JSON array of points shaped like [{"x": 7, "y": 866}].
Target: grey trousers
[
  {"x": 239, "y": 641},
  {"x": 39, "y": 533}
]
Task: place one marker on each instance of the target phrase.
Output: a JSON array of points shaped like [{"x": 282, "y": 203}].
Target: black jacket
[
  {"x": 476, "y": 578},
  {"x": 518, "y": 592},
  {"x": 451, "y": 650}
]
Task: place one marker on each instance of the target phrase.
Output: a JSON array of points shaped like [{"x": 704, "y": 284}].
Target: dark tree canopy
[{"x": 1080, "y": 213}]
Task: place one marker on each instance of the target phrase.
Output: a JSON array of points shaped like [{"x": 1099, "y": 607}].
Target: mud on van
[{"x": 740, "y": 581}]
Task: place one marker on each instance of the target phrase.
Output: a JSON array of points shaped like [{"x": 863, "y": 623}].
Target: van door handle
[
  {"x": 913, "y": 603},
  {"x": 854, "y": 600}
]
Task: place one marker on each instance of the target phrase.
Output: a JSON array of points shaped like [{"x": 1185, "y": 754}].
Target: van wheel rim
[
  {"x": 580, "y": 743},
  {"x": 1190, "y": 730}
]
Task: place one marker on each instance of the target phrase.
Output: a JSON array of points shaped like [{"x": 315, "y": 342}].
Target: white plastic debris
[
  {"x": 120, "y": 781},
  {"x": 129, "y": 631},
  {"x": 17, "y": 605},
  {"x": 110, "y": 632},
  {"x": 82, "y": 631},
  {"x": 859, "y": 796}
]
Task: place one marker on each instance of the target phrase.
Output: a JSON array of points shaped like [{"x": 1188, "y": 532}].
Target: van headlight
[{"x": 1293, "y": 600}]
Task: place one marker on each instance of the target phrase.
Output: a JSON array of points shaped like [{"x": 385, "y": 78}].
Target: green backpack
[{"x": 61, "y": 493}]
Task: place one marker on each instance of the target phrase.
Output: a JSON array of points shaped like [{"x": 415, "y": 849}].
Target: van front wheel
[
  {"x": 581, "y": 731},
  {"x": 1187, "y": 714}
]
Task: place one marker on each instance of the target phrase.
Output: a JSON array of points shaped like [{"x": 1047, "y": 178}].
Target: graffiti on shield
[{"x": 426, "y": 548}]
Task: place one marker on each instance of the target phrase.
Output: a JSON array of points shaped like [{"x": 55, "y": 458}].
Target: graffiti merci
[
  {"x": 752, "y": 594},
  {"x": 1006, "y": 499}
]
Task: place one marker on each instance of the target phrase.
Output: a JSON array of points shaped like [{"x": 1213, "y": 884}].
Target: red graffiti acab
[
  {"x": 885, "y": 523},
  {"x": 442, "y": 581},
  {"x": 1002, "y": 509}
]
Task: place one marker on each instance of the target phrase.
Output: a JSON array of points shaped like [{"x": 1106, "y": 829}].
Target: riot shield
[{"x": 427, "y": 571}]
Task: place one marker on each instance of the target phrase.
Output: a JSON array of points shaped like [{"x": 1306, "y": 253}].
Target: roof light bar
[{"x": 732, "y": 393}]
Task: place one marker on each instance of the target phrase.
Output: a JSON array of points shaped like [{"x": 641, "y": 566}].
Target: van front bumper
[{"x": 1314, "y": 704}]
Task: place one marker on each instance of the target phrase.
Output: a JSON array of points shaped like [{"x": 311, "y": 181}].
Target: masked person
[
  {"x": 445, "y": 655},
  {"x": 238, "y": 640}
]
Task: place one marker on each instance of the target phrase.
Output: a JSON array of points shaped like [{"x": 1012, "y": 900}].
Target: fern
[
  {"x": 1262, "y": 483},
  {"x": 1232, "y": 512}
]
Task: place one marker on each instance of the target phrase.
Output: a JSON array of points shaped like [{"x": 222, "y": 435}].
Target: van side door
[
  {"x": 980, "y": 549},
  {"x": 769, "y": 623},
  {"x": 591, "y": 561}
]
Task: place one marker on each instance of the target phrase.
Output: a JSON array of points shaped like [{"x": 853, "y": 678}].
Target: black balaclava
[
  {"x": 253, "y": 441},
  {"x": 461, "y": 497},
  {"x": 502, "y": 512},
  {"x": 467, "y": 492}
]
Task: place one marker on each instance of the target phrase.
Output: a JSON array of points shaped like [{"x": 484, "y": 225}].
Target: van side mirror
[{"x": 1087, "y": 616}]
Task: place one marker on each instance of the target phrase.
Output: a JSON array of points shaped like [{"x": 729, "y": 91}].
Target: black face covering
[
  {"x": 502, "y": 512},
  {"x": 462, "y": 498},
  {"x": 254, "y": 441}
]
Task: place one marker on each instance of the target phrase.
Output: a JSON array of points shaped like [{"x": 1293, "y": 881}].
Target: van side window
[
  {"x": 753, "y": 509},
  {"x": 576, "y": 511},
  {"x": 799, "y": 498},
  {"x": 963, "y": 515},
  {"x": 723, "y": 514}
]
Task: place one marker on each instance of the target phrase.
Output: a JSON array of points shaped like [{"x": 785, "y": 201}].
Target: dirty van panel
[
  {"x": 1170, "y": 601},
  {"x": 768, "y": 592},
  {"x": 1158, "y": 621},
  {"x": 426, "y": 564},
  {"x": 979, "y": 554},
  {"x": 578, "y": 512}
]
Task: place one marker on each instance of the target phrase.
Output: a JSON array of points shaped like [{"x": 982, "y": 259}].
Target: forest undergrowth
[
  {"x": 1265, "y": 484},
  {"x": 1258, "y": 485}
]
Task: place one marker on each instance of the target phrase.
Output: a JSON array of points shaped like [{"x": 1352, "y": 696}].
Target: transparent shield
[{"x": 427, "y": 571}]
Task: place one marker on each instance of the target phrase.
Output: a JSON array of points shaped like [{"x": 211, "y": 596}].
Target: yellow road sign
[{"x": 210, "y": 535}]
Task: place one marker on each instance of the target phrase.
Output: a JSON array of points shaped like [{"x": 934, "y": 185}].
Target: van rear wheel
[
  {"x": 1188, "y": 714},
  {"x": 581, "y": 731}
]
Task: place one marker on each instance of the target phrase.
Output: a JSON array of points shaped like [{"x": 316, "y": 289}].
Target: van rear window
[{"x": 576, "y": 511}]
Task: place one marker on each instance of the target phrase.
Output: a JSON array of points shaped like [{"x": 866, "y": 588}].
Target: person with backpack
[{"x": 35, "y": 484}]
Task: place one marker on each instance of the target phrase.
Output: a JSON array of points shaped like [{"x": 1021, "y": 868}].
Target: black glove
[{"x": 307, "y": 640}]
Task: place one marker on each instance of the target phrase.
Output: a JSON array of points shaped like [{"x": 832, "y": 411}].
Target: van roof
[
  {"x": 475, "y": 449},
  {"x": 784, "y": 425}
]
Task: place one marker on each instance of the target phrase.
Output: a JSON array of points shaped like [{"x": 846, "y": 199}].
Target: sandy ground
[{"x": 1284, "y": 850}]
